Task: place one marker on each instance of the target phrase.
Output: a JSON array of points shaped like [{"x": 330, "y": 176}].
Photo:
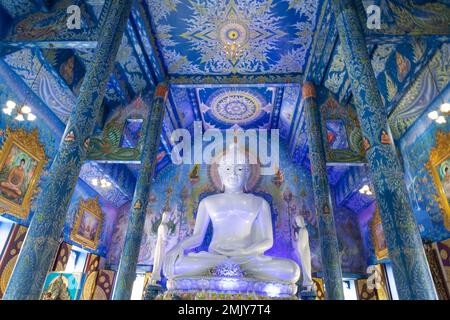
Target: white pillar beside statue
[
  {"x": 304, "y": 252},
  {"x": 160, "y": 248}
]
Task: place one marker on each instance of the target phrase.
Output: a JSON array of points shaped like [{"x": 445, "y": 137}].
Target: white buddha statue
[
  {"x": 160, "y": 248},
  {"x": 242, "y": 232},
  {"x": 304, "y": 252}
]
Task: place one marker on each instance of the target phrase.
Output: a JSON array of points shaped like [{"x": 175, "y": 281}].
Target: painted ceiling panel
[
  {"x": 273, "y": 36},
  {"x": 399, "y": 17},
  {"x": 180, "y": 99},
  {"x": 244, "y": 107},
  {"x": 115, "y": 194},
  {"x": 425, "y": 88},
  {"x": 45, "y": 82},
  {"x": 396, "y": 66}
]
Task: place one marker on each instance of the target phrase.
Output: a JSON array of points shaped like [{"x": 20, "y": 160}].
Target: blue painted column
[
  {"x": 329, "y": 247},
  {"x": 136, "y": 220},
  {"x": 411, "y": 272},
  {"x": 42, "y": 240}
]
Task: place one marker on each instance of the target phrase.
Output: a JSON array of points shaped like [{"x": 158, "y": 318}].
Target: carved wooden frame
[
  {"x": 439, "y": 154},
  {"x": 93, "y": 207},
  {"x": 27, "y": 142},
  {"x": 380, "y": 253}
]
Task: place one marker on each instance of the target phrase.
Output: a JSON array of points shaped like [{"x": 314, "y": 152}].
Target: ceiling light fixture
[
  {"x": 103, "y": 183},
  {"x": 365, "y": 190},
  {"x": 23, "y": 112},
  {"x": 233, "y": 50},
  {"x": 444, "y": 107}
]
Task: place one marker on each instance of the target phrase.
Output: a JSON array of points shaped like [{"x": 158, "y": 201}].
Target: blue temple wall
[
  {"x": 109, "y": 211},
  {"x": 415, "y": 146},
  {"x": 50, "y": 129},
  {"x": 365, "y": 218}
]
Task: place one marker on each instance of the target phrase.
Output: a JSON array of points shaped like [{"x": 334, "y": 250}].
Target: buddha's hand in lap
[{"x": 232, "y": 252}]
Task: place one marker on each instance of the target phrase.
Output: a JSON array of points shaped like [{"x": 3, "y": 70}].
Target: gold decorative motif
[
  {"x": 137, "y": 204},
  {"x": 28, "y": 144},
  {"x": 86, "y": 143},
  {"x": 57, "y": 290},
  {"x": 379, "y": 242},
  {"x": 366, "y": 144},
  {"x": 89, "y": 286},
  {"x": 385, "y": 139},
  {"x": 70, "y": 137},
  {"x": 439, "y": 154},
  {"x": 326, "y": 209},
  {"x": 319, "y": 288},
  {"x": 89, "y": 216}
]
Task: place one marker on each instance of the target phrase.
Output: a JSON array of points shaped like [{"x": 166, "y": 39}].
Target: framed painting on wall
[
  {"x": 438, "y": 166},
  {"x": 88, "y": 222},
  {"x": 378, "y": 239},
  {"x": 22, "y": 158},
  {"x": 336, "y": 134},
  {"x": 63, "y": 286}
]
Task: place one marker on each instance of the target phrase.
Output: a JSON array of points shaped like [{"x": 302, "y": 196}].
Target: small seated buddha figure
[
  {"x": 242, "y": 232},
  {"x": 12, "y": 186}
]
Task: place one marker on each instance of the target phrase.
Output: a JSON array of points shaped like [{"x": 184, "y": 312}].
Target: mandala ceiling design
[
  {"x": 246, "y": 107},
  {"x": 273, "y": 36},
  {"x": 235, "y": 107}
]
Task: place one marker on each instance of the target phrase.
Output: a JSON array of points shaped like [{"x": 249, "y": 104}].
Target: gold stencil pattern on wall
[
  {"x": 318, "y": 286},
  {"x": 10, "y": 255},
  {"x": 89, "y": 285}
]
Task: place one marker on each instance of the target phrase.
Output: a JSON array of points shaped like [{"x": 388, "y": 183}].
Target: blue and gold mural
[{"x": 234, "y": 37}]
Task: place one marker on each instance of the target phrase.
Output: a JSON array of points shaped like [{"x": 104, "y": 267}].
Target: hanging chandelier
[
  {"x": 444, "y": 107},
  {"x": 233, "y": 50},
  {"x": 21, "y": 112}
]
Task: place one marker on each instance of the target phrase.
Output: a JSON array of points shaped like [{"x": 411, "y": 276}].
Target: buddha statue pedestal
[{"x": 227, "y": 281}]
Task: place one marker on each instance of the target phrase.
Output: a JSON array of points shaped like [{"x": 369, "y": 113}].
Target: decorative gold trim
[
  {"x": 439, "y": 154},
  {"x": 93, "y": 207},
  {"x": 380, "y": 253},
  {"x": 29, "y": 143}
]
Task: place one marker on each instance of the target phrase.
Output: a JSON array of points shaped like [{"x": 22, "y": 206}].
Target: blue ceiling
[
  {"x": 275, "y": 35},
  {"x": 281, "y": 43}
]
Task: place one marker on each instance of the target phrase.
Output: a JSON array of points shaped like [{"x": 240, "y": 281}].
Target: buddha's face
[{"x": 233, "y": 176}]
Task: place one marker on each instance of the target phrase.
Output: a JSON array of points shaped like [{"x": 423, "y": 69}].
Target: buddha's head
[
  {"x": 234, "y": 171},
  {"x": 233, "y": 176}
]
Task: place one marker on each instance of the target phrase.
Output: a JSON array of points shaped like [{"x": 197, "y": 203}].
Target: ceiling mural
[
  {"x": 421, "y": 93},
  {"x": 225, "y": 108},
  {"x": 401, "y": 17},
  {"x": 348, "y": 186},
  {"x": 234, "y": 36},
  {"x": 115, "y": 194},
  {"x": 180, "y": 101}
]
